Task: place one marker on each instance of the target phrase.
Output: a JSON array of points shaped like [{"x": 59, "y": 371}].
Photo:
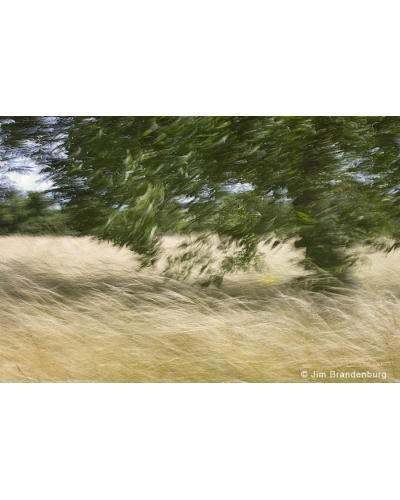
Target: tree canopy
[{"x": 330, "y": 182}]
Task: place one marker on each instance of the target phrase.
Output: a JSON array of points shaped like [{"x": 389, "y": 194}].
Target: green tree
[
  {"x": 31, "y": 214},
  {"x": 12, "y": 210},
  {"x": 329, "y": 181}
]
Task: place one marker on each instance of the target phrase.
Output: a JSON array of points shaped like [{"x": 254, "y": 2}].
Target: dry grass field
[{"x": 75, "y": 310}]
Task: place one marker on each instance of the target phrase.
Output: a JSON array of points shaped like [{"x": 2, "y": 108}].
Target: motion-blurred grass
[{"x": 75, "y": 310}]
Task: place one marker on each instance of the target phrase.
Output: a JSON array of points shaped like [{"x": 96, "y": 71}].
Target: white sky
[{"x": 30, "y": 180}]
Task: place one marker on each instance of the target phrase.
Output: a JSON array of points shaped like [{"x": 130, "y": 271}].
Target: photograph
[{"x": 212, "y": 249}]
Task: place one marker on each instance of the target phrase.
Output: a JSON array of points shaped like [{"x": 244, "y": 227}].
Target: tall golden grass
[{"x": 75, "y": 310}]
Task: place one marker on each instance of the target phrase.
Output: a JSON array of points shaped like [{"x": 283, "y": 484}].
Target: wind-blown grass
[{"x": 76, "y": 310}]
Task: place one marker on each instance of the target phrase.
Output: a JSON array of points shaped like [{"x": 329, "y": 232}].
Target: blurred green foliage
[
  {"x": 31, "y": 214},
  {"x": 329, "y": 182}
]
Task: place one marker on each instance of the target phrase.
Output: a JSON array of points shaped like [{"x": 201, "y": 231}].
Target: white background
[{"x": 199, "y": 441}]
